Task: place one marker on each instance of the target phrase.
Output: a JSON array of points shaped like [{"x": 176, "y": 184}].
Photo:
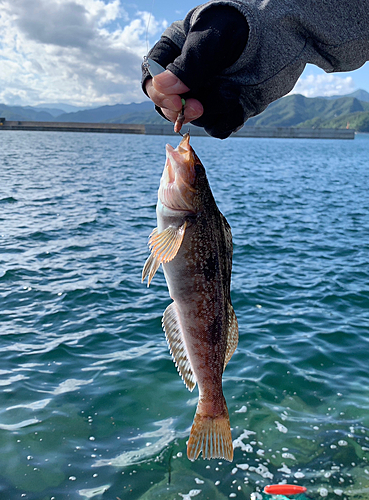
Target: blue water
[{"x": 91, "y": 405}]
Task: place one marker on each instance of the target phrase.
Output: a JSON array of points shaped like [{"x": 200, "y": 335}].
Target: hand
[
  {"x": 211, "y": 44},
  {"x": 165, "y": 89}
]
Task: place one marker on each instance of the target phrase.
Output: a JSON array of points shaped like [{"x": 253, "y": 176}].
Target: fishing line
[
  {"x": 147, "y": 26},
  {"x": 155, "y": 69}
]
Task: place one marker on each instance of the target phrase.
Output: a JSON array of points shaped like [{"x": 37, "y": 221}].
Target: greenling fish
[{"x": 193, "y": 242}]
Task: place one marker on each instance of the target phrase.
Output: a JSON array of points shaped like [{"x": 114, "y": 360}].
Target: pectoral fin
[
  {"x": 164, "y": 247},
  {"x": 177, "y": 347},
  {"x": 151, "y": 266},
  {"x": 232, "y": 338}
]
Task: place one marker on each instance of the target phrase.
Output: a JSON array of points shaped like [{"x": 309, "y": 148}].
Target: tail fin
[{"x": 212, "y": 436}]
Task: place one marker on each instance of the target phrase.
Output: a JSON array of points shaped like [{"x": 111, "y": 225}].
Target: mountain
[
  {"x": 118, "y": 113},
  {"x": 52, "y": 111},
  {"x": 40, "y": 112},
  {"x": 21, "y": 113},
  {"x": 106, "y": 113},
  {"x": 356, "y": 121},
  {"x": 313, "y": 112},
  {"x": 360, "y": 94},
  {"x": 291, "y": 111},
  {"x": 150, "y": 116},
  {"x": 62, "y": 107}
]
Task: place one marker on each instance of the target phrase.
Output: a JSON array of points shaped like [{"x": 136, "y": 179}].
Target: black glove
[{"x": 214, "y": 42}]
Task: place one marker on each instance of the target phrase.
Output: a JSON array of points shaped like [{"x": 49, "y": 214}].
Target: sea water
[{"x": 91, "y": 404}]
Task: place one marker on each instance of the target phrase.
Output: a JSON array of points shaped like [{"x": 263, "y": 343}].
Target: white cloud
[
  {"x": 324, "y": 85},
  {"x": 78, "y": 51}
]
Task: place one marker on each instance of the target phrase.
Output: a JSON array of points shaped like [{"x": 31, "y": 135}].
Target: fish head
[{"x": 179, "y": 185}]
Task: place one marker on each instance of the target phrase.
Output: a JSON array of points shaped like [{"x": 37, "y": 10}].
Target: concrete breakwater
[{"x": 167, "y": 129}]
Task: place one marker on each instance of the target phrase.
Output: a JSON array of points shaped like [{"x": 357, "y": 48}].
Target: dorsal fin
[
  {"x": 232, "y": 335},
  {"x": 177, "y": 347}
]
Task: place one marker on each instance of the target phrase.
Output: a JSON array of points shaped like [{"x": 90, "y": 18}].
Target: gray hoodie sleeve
[{"x": 285, "y": 35}]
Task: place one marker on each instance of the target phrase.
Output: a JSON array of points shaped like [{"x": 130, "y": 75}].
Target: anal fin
[
  {"x": 177, "y": 347},
  {"x": 232, "y": 337}
]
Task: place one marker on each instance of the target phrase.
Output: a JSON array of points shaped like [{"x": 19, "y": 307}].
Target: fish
[{"x": 193, "y": 243}]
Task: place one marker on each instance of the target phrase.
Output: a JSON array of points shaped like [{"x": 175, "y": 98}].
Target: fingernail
[
  {"x": 167, "y": 79},
  {"x": 191, "y": 113},
  {"x": 168, "y": 104}
]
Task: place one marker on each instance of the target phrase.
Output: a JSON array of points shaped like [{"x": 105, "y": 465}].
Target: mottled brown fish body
[{"x": 193, "y": 242}]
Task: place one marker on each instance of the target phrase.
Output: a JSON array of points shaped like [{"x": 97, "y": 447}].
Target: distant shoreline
[{"x": 167, "y": 129}]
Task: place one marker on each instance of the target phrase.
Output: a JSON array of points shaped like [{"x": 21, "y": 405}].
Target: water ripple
[{"x": 91, "y": 401}]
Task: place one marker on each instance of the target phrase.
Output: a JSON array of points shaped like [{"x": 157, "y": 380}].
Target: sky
[{"x": 89, "y": 52}]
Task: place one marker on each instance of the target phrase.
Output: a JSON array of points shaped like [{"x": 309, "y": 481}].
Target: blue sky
[{"x": 88, "y": 52}]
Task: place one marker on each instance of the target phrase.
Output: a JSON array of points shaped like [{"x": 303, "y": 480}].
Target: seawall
[{"x": 167, "y": 129}]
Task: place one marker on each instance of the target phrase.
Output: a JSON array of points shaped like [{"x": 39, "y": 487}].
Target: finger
[
  {"x": 171, "y": 102},
  {"x": 193, "y": 110},
  {"x": 168, "y": 83},
  {"x": 170, "y": 115}
]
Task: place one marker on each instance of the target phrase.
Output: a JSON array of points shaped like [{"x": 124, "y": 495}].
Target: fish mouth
[
  {"x": 177, "y": 189},
  {"x": 181, "y": 161},
  {"x": 184, "y": 145}
]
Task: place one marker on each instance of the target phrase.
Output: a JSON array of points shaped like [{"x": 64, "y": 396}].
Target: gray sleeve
[{"x": 284, "y": 36}]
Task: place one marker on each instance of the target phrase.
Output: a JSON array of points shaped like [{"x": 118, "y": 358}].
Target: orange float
[{"x": 284, "y": 489}]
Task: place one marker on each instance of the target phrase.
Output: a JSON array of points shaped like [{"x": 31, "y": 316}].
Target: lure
[
  {"x": 180, "y": 118},
  {"x": 284, "y": 489},
  {"x": 152, "y": 66},
  {"x": 155, "y": 69}
]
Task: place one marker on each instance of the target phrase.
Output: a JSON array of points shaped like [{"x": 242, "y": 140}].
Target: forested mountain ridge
[{"x": 295, "y": 110}]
